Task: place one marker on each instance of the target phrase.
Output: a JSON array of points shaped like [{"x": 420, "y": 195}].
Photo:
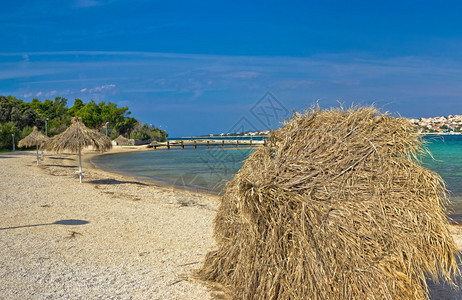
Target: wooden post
[
  {"x": 237, "y": 143},
  {"x": 168, "y": 145},
  {"x": 195, "y": 145},
  {"x": 208, "y": 144},
  {"x": 250, "y": 142},
  {"x": 182, "y": 145},
  {"x": 36, "y": 146},
  {"x": 222, "y": 143},
  {"x": 80, "y": 167},
  {"x": 264, "y": 142}
]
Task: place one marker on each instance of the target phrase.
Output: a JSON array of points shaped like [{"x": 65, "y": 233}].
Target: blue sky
[{"x": 200, "y": 67}]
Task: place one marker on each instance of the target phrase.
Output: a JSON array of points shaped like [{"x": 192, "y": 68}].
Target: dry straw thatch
[
  {"x": 121, "y": 140},
  {"x": 336, "y": 206},
  {"x": 77, "y": 137},
  {"x": 35, "y": 138}
]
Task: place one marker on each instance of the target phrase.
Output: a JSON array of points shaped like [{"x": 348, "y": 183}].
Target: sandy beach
[{"x": 109, "y": 237}]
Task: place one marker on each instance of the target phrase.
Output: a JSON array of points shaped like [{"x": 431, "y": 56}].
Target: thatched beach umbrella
[
  {"x": 121, "y": 140},
  {"x": 336, "y": 206},
  {"x": 35, "y": 138},
  {"x": 76, "y": 138}
]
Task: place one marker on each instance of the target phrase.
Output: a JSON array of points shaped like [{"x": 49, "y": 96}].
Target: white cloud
[
  {"x": 101, "y": 88},
  {"x": 27, "y": 95},
  {"x": 51, "y": 93},
  {"x": 38, "y": 94},
  {"x": 98, "y": 89}
]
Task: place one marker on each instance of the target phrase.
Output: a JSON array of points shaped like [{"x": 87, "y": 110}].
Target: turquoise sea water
[
  {"x": 210, "y": 169},
  {"x": 222, "y": 138},
  {"x": 447, "y": 154},
  {"x": 205, "y": 169}
]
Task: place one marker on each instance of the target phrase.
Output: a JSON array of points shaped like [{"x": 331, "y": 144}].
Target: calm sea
[
  {"x": 210, "y": 169},
  {"x": 205, "y": 169},
  {"x": 224, "y": 138},
  {"x": 447, "y": 161}
]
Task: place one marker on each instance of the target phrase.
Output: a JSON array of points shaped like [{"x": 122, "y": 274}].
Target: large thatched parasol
[
  {"x": 76, "y": 138},
  {"x": 337, "y": 206},
  {"x": 35, "y": 138}
]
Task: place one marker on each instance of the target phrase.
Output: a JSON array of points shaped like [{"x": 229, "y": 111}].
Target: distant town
[
  {"x": 440, "y": 125},
  {"x": 247, "y": 133},
  {"x": 451, "y": 124},
  {"x": 240, "y": 134}
]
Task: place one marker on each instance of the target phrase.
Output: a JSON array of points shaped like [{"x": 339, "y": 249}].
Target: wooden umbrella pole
[
  {"x": 80, "y": 166},
  {"x": 37, "y": 155}
]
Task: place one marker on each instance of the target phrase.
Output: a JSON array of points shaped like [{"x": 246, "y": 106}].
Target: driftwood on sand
[{"x": 336, "y": 206}]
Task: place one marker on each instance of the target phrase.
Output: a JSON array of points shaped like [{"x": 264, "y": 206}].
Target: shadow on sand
[
  {"x": 61, "y": 166},
  {"x": 67, "y": 222},
  {"x": 61, "y": 158},
  {"x": 114, "y": 181},
  {"x": 445, "y": 291},
  {"x": 9, "y": 154}
]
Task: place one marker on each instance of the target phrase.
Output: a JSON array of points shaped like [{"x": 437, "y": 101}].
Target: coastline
[
  {"x": 140, "y": 240},
  {"x": 90, "y": 158}
]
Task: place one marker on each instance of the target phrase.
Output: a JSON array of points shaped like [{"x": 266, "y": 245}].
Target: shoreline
[{"x": 89, "y": 160}]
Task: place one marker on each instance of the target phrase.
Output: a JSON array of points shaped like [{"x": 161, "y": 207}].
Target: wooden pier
[{"x": 209, "y": 143}]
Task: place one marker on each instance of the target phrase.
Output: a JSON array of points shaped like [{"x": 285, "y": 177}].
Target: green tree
[
  {"x": 26, "y": 131},
  {"x": 114, "y": 115},
  {"x": 140, "y": 132},
  {"x": 18, "y": 117},
  {"x": 6, "y": 140},
  {"x": 78, "y": 105},
  {"x": 17, "y": 111},
  {"x": 90, "y": 114},
  {"x": 126, "y": 126},
  {"x": 96, "y": 115},
  {"x": 145, "y": 132},
  {"x": 158, "y": 134}
]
